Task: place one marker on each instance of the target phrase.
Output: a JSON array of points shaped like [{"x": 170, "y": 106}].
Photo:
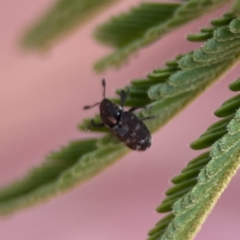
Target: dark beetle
[{"x": 125, "y": 125}]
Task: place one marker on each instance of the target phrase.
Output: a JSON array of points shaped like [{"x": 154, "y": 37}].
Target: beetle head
[{"x": 110, "y": 112}]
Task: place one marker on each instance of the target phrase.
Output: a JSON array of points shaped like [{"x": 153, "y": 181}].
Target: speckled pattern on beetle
[{"x": 125, "y": 125}]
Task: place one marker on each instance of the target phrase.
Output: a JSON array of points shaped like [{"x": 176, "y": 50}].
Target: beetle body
[
  {"x": 125, "y": 125},
  {"x": 132, "y": 132}
]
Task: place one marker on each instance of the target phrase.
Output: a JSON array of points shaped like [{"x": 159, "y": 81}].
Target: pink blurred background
[{"x": 41, "y": 99}]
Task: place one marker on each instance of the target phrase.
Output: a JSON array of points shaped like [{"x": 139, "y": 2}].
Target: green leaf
[
  {"x": 228, "y": 107},
  {"x": 234, "y": 26},
  {"x": 62, "y": 170},
  {"x": 166, "y": 91},
  {"x": 121, "y": 31},
  {"x": 199, "y": 185},
  {"x": 213, "y": 133},
  {"x": 63, "y": 16},
  {"x": 145, "y": 24},
  {"x": 235, "y": 86},
  {"x": 236, "y": 7}
]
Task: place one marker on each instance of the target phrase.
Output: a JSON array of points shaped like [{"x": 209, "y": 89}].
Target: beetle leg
[
  {"x": 94, "y": 124},
  {"x": 123, "y": 98},
  {"x": 148, "y": 117},
  {"x": 132, "y": 109}
]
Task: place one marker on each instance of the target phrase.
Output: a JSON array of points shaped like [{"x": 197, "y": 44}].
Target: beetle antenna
[
  {"x": 104, "y": 87},
  {"x": 88, "y": 107}
]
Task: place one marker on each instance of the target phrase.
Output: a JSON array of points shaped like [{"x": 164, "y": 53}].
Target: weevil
[{"x": 125, "y": 125}]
